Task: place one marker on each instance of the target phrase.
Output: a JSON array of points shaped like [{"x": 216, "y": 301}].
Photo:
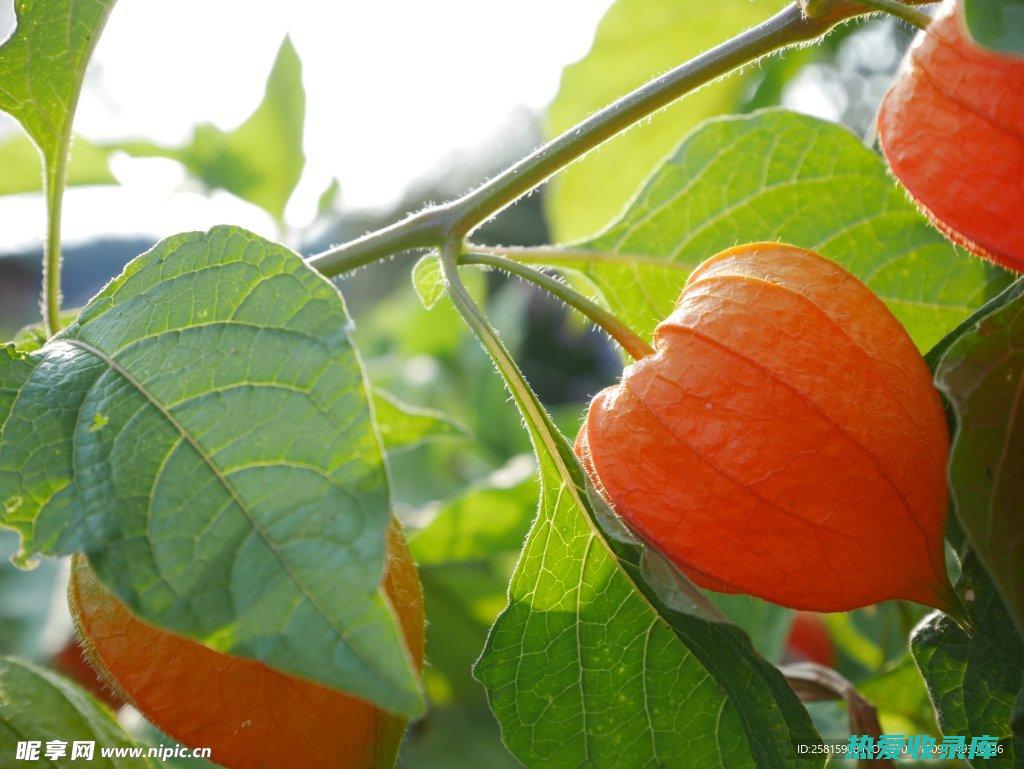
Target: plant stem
[
  {"x": 537, "y": 418},
  {"x": 50, "y": 301},
  {"x": 630, "y": 341},
  {"x": 431, "y": 227},
  {"x": 900, "y": 10},
  {"x": 559, "y": 256},
  {"x": 424, "y": 229}
]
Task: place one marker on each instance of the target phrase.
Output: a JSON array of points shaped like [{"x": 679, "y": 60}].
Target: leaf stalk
[{"x": 630, "y": 341}]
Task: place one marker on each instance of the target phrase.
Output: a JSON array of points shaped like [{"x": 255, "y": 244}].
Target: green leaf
[
  {"x": 974, "y": 681},
  {"x": 426, "y": 279},
  {"x": 997, "y": 24},
  {"x": 403, "y": 426},
  {"x": 261, "y": 161},
  {"x": 899, "y": 693},
  {"x": 934, "y": 356},
  {"x": 777, "y": 175},
  {"x": 982, "y": 376},
  {"x": 32, "y": 337},
  {"x": 19, "y": 160},
  {"x": 593, "y": 663},
  {"x": 460, "y": 737},
  {"x": 636, "y": 41},
  {"x": 36, "y": 704},
  {"x": 329, "y": 201},
  {"x": 203, "y": 432},
  {"x": 41, "y": 69},
  {"x": 487, "y": 521},
  {"x": 465, "y": 556}
]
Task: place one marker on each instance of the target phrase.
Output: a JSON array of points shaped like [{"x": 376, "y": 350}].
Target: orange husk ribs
[
  {"x": 252, "y": 716},
  {"x": 952, "y": 130},
  {"x": 785, "y": 440}
]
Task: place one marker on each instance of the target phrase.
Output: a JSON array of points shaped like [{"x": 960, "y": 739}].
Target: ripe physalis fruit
[
  {"x": 250, "y": 715},
  {"x": 784, "y": 440},
  {"x": 952, "y": 129}
]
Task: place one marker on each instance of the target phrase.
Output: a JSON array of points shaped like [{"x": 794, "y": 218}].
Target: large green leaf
[
  {"x": 593, "y": 664},
  {"x": 982, "y": 375},
  {"x": 39, "y": 705},
  {"x": 41, "y": 69},
  {"x": 203, "y": 432},
  {"x": 973, "y": 680},
  {"x": 19, "y": 160},
  {"x": 997, "y": 24},
  {"x": 636, "y": 41},
  {"x": 261, "y": 161},
  {"x": 777, "y": 175}
]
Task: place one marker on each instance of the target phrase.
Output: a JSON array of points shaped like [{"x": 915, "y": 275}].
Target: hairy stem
[
  {"x": 425, "y": 229},
  {"x": 630, "y": 341},
  {"x": 431, "y": 227},
  {"x": 50, "y": 301},
  {"x": 900, "y": 10},
  {"x": 559, "y": 256}
]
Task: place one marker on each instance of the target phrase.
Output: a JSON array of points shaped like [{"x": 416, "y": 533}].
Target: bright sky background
[{"x": 394, "y": 89}]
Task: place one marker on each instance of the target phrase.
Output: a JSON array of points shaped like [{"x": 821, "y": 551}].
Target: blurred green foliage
[
  {"x": 261, "y": 161},
  {"x": 997, "y": 24},
  {"x": 19, "y": 160}
]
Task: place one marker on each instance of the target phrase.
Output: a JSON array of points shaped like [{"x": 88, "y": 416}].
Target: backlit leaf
[
  {"x": 426, "y": 279},
  {"x": 780, "y": 176},
  {"x": 465, "y": 556},
  {"x": 19, "y": 160},
  {"x": 487, "y": 521},
  {"x": 203, "y": 432},
  {"x": 41, "y": 68},
  {"x": 261, "y": 161},
  {"x": 636, "y": 41}
]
